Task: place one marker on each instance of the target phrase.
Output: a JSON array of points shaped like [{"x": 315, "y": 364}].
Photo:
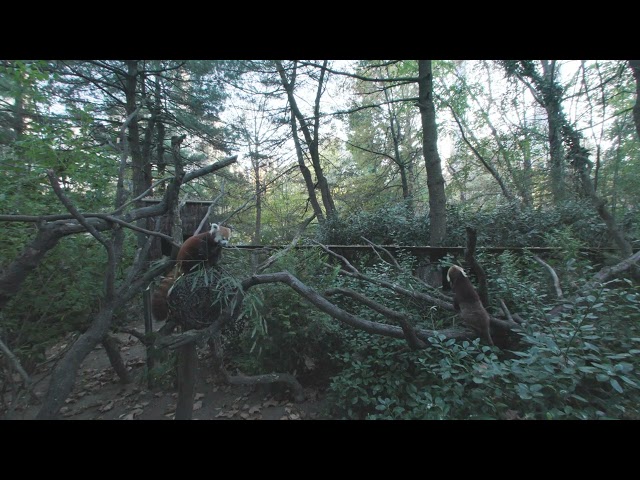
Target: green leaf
[
  {"x": 586, "y": 369},
  {"x": 616, "y": 386},
  {"x": 629, "y": 381}
]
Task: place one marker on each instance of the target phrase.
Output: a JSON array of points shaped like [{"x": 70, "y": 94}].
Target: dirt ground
[{"x": 98, "y": 394}]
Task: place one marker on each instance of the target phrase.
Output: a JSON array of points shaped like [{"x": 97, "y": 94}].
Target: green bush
[
  {"x": 283, "y": 332},
  {"x": 581, "y": 364}
]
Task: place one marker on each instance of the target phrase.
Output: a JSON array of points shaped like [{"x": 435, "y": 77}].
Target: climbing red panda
[
  {"x": 467, "y": 301},
  {"x": 204, "y": 249}
]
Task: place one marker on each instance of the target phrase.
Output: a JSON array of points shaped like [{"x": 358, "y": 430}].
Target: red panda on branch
[
  {"x": 467, "y": 301},
  {"x": 204, "y": 249}
]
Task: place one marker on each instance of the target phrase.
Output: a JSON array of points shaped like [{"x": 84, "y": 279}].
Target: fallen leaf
[
  {"x": 294, "y": 416},
  {"x": 244, "y": 415},
  {"x": 254, "y": 409},
  {"x": 270, "y": 403},
  {"x": 107, "y": 407},
  {"x": 284, "y": 417},
  {"x": 197, "y": 405},
  {"x": 129, "y": 416},
  {"x": 136, "y": 412},
  {"x": 199, "y": 396}
]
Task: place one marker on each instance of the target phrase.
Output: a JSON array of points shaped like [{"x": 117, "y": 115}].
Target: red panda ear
[{"x": 214, "y": 228}]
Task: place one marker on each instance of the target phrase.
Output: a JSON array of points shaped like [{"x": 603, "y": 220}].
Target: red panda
[
  {"x": 202, "y": 249},
  {"x": 466, "y": 300}
]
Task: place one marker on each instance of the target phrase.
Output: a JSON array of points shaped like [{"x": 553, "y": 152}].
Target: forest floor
[{"x": 99, "y": 395}]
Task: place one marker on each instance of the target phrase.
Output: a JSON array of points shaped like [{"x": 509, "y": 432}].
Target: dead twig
[{"x": 554, "y": 276}]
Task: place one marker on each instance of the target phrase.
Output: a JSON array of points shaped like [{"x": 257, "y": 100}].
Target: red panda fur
[
  {"x": 159, "y": 306},
  {"x": 467, "y": 301},
  {"x": 202, "y": 249}
]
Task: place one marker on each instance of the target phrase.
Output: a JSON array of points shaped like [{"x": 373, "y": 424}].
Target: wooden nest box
[{"x": 191, "y": 214}]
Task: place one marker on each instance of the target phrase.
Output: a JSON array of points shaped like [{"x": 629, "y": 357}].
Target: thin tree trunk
[
  {"x": 187, "y": 366},
  {"x": 403, "y": 166},
  {"x": 311, "y": 138},
  {"x": 635, "y": 68},
  {"x": 64, "y": 375},
  {"x": 435, "y": 180},
  {"x": 552, "y": 97}
]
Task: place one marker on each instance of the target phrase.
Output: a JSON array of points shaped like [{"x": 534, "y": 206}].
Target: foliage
[
  {"x": 286, "y": 334},
  {"x": 389, "y": 224},
  {"x": 58, "y": 297},
  {"x": 506, "y": 225},
  {"x": 581, "y": 365}
]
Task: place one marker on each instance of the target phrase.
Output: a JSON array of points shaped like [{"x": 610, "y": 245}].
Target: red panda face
[{"x": 220, "y": 234}]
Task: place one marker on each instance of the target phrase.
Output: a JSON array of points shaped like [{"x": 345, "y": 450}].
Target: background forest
[{"x": 540, "y": 159}]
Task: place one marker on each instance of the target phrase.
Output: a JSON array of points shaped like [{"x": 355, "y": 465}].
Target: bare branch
[
  {"x": 351, "y": 268},
  {"x": 598, "y": 279},
  {"x": 393, "y": 260},
  {"x": 273, "y": 258},
  {"x": 18, "y": 367},
  {"x": 506, "y": 311},
  {"x": 73, "y": 210},
  {"x": 409, "y": 331},
  {"x": 142, "y": 195},
  {"x": 209, "y": 210},
  {"x": 361, "y": 77},
  {"x": 554, "y": 276}
]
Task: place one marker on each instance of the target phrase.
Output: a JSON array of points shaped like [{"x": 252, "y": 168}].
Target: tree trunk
[
  {"x": 403, "y": 166},
  {"x": 552, "y": 98},
  {"x": 549, "y": 95},
  {"x": 635, "y": 68},
  {"x": 113, "y": 352},
  {"x": 187, "y": 366},
  {"x": 435, "y": 180},
  {"x": 64, "y": 374},
  {"x": 311, "y": 138}
]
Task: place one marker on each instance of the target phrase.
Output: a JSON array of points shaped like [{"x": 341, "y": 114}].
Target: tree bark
[
  {"x": 551, "y": 93},
  {"x": 435, "y": 180},
  {"x": 113, "y": 352},
  {"x": 64, "y": 375},
  {"x": 187, "y": 367},
  {"x": 311, "y": 137},
  {"x": 635, "y": 69}
]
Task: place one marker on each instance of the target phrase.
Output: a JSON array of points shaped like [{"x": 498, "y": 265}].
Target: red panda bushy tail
[{"x": 159, "y": 305}]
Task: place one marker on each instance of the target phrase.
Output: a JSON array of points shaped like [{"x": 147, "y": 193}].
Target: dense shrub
[
  {"x": 504, "y": 226},
  {"x": 582, "y": 364}
]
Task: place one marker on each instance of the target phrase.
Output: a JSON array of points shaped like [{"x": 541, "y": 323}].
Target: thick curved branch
[{"x": 409, "y": 331}]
